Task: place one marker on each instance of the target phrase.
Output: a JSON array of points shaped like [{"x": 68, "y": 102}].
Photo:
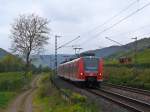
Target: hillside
[
  {"x": 112, "y": 50},
  {"x": 44, "y": 60},
  {"x": 108, "y": 52},
  {"x": 3, "y": 53},
  {"x": 105, "y": 52},
  {"x": 48, "y": 60},
  {"x": 142, "y": 57}
]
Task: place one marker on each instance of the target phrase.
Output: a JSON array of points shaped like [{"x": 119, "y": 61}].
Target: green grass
[
  {"x": 126, "y": 76},
  {"x": 10, "y": 81},
  {"x": 50, "y": 100},
  {"x": 142, "y": 57},
  {"x": 10, "y": 84},
  {"x": 5, "y": 98}
]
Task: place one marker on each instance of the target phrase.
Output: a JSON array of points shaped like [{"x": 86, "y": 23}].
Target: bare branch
[{"x": 29, "y": 34}]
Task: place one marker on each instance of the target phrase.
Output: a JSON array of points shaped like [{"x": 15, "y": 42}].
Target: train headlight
[
  {"x": 100, "y": 74},
  {"x": 81, "y": 74}
]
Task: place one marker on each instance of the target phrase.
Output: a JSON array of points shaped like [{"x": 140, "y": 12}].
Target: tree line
[{"x": 11, "y": 63}]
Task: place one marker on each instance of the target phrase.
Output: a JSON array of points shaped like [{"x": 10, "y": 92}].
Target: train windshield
[{"x": 91, "y": 64}]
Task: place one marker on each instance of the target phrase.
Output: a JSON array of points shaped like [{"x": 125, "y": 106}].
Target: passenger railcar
[{"x": 87, "y": 71}]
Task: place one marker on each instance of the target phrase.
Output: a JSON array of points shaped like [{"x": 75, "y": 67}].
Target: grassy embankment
[
  {"x": 127, "y": 74},
  {"x": 49, "y": 99},
  {"x": 10, "y": 84}
]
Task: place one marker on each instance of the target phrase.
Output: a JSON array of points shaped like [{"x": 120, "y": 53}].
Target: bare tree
[{"x": 29, "y": 34}]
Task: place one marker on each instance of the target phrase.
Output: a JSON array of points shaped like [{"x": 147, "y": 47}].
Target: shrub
[
  {"x": 11, "y": 81},
  {"x": 77, "y": 98},
  {"x": 127, "y": 76},
  {"x": 44, "y": 86},
  {"x": 5, "y": 97}
]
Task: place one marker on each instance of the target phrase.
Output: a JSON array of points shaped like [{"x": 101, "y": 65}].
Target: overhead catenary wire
[
  {"x": 132, "y": 31},
  {"x": 110, "y": 19},
  {"x": 118, "y": 22},
  {"x": 113, "y": 41},
  {"x": 68, "y": 42},
  {"x": 126, "y": 47}
]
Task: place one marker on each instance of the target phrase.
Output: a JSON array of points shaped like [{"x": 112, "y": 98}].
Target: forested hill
[
  {"x": 108, "y": 51},
  {"x": 3, "y": 53},
  {"x": 37, "y": 60},
  {"x": 112, "y": 51},
  {"x": 48, "y": 60}
]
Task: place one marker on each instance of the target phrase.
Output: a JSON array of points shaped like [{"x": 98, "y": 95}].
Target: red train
[{"x": 86, "y": 71}]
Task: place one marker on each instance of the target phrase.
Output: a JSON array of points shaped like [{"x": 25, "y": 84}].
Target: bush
[
  {"x": 53, "y": 101},
  {"x": 44, "y": 86},
  {"x": 127, "y": 76},
  {"x": 5, "y": 97},
  {"x": 77, "y": 98},
  {"x": 11, "y": 81},
  {"x": 10, "y": 63}
]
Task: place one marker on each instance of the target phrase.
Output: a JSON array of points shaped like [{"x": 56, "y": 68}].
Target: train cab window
[{"x": 91, "y": 64}]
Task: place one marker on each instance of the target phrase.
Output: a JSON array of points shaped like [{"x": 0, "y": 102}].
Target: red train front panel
[{"x": 92, "y": 69}]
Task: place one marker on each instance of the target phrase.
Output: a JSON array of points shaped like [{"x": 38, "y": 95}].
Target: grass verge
[
  {"x": 49, "y": 99},
  {"x": 129, "y": 77},
  {"x": 5, "y": 97},
  {"x": 11, "y": 84}
]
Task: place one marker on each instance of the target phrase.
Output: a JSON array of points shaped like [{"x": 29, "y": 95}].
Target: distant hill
[
  {"x": 3, "y": 53},
  {"x": 43, "y": 60},
  {"x": 105, "y": 52},
  {"x": 112, "y": 50},
  {"x": 48, "y": 60}
]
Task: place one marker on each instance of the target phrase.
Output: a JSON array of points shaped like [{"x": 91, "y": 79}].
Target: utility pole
[
  {"x": 135, "y": 51},
  {"x": 50, "y": 62},
  {"x": 56, "y": 36},
  {"x": 135, "y": 54},
  {"x": 56, "y": 48},
  {"x": 77, "y": 50}
]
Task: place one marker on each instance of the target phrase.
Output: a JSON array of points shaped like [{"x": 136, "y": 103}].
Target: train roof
[{"x": 76, "y": 59}]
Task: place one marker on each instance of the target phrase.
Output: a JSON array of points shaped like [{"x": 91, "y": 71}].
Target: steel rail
[
  {"x": 127, "y": 102},
  {"x": 124, "y": 101},
  {"x": 131, "y": 89}
]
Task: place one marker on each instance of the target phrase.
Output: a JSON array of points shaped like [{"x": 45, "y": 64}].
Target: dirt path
[{"x": 23, "y": 103}]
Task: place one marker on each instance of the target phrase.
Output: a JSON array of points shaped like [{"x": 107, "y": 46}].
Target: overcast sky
[{"x": 72, "y": 18}]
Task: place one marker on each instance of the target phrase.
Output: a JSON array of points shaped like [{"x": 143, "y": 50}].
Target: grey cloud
[{"x": 71, "y": 18}]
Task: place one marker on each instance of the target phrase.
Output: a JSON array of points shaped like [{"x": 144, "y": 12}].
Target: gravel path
[{"x": 23, "y": 103}]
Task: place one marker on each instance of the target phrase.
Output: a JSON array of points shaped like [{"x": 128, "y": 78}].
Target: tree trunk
[{"x": 27, "y": 67}]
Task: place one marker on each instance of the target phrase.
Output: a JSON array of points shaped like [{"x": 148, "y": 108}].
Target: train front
[{"x": 93, "y": 70}]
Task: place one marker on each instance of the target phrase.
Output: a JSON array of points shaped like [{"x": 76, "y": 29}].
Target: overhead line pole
[
  {"x": 77, "y": 48},
  {"x": 135, "y": 49},
  {"x": 56, "y": 48},
  {"x": 56, "y": 36},
  {"x": 135, "y": 54}
]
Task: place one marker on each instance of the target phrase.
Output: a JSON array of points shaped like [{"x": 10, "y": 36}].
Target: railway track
[
  {"x": 131, "y": 89},
  {"x": 127, "y": 102}
]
